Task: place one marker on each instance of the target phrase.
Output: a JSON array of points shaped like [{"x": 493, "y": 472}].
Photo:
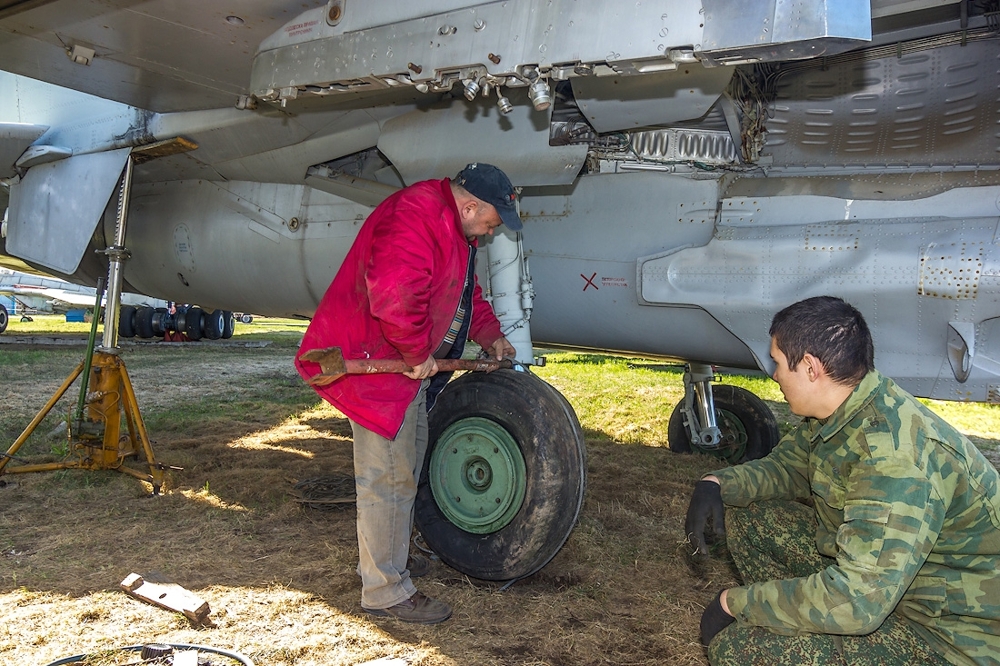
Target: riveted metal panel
[
  {"x": 910, "y": 266},
  {"x": 931, "y": 107},
  {"x": 950, "y": 270}
]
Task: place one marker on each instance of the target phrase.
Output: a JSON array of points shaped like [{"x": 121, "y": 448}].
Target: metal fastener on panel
[
  {"x": 471, "y": 89},
  {"x": 335, "y": 11},
  {"x": 504, "y": 105}
]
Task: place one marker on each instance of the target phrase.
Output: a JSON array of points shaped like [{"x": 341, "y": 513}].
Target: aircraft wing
[
  {"x": 42, "y": 292},
  {"x": 45, "y": 300},
  {"x": 158, "y": 56}
]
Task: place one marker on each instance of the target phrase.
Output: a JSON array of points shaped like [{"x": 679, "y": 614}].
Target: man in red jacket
[{"x": 406, "y": 290}]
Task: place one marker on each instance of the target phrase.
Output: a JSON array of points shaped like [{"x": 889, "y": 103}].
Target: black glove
[
  {"x": 706, "y": 502},
  {"x": 714, "y": 620}
]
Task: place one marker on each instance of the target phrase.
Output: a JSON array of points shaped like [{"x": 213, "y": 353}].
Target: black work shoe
[
  {"x": 418, "y": 565},
  {"x": 419, "y": 609}
]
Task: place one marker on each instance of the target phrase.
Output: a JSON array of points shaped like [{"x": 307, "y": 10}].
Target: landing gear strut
[{"x": 725, "y": 421}]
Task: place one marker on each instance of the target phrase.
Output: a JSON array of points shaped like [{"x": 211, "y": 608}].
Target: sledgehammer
[{"x": 335, "y": 366}]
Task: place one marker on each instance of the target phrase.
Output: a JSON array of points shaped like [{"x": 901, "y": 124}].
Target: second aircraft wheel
[{"x": 749, "y": 430}]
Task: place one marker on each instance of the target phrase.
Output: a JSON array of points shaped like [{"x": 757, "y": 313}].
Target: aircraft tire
[
  {"x": 230, "y": 325},
  {"x": 160, "y": 319},
  {"x": 214, "y": 323},
  {"x": 246, "y": 318},
  {"x": 749, "y": 429},
  {"x": 126, "y": 321},
  {"x": 512, "y": 447},
  {"x": 4, "y": 318},
  {"x": 192, "y": 323},
  {"x": 144, "y": 322}
]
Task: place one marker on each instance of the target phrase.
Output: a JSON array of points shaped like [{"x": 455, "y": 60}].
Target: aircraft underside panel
[
  {"x": 925, "y": 273},
  {"x": 883, "y": 107},
  {"x": 582, "y": 244},
  {"x": 505, "y": 43},
  {"x": 431, "y": 142},
  {"x": 264, "y": 248}
]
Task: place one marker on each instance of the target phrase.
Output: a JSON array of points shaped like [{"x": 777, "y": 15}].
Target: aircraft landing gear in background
[
  {"x": 504, "y": 475},
  {"x": 146, "y": 322},
  {"x": 725, "y": 421}
]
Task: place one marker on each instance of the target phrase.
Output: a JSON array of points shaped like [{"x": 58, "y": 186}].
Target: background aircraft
[
  {"x": 687, "y": 169},
  {"x": 35, "y": 293},
  {"x": 140, "y": 315}
]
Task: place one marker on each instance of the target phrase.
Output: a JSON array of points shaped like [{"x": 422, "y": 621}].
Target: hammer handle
[{"x": 365, "y": 366}]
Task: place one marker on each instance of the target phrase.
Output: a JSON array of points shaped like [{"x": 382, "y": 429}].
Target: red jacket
[{"x": 395, "y": 296}]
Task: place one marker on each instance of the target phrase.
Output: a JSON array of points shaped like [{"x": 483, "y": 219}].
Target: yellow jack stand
[{"x": 97, "y": 440}]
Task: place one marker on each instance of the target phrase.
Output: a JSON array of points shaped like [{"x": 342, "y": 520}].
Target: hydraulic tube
[{"x": 509, "y": 291}]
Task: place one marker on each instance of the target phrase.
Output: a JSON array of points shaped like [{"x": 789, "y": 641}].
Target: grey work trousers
[{"x": 386, "y": 472}]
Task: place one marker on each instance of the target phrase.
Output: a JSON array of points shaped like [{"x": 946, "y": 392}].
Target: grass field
[{"x": 242, "y": 427}]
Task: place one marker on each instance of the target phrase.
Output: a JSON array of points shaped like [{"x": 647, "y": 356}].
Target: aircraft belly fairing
[{"x": 266, "y": 248}]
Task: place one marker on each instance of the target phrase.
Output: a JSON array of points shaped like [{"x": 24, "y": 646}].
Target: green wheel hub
[
  {"x": 477, "y": 475},
  {"x": 734, "y": 437}
]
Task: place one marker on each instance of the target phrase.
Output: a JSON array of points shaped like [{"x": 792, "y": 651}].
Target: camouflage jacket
[{"x": 908, "y": 507}]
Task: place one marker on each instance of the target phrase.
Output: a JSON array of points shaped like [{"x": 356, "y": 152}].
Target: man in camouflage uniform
[{"x": 896, "y": 557}]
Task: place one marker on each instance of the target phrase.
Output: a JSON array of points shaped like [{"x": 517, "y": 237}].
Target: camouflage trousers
[{"x": 775, "y": 540}]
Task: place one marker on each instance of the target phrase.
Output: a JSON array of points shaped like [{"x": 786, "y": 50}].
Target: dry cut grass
[{"x": 280, "y": 578}]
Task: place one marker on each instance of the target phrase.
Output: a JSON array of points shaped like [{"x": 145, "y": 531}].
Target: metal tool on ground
[{"x": 334, "y": 365}]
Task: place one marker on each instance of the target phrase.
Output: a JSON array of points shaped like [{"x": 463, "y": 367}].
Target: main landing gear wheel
[
  {"x": 192, "y": 323},
  {"x": 229, "y": 325},
  {"x": 4, "y": 318},
  {"x": 504, "y": 475},
  {"x": 749, "y": 430},
  {"x": 213, "y": 324},
  {"x": 126, "y": 321}
]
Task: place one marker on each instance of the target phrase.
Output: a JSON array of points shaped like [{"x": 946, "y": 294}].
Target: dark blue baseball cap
[{"x": 487, "y": 182}]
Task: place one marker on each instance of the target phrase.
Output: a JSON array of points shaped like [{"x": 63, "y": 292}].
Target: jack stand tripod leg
[
  {"x": 38, "y": 417},
  {"x": 131, "y": 406}
]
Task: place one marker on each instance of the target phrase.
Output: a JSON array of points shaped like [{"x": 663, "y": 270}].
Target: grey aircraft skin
[
  {"x": 673, "y": 201},
  {"x": 688, "y": 168}
]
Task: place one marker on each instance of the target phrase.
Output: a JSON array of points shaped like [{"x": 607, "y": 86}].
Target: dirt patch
[{"x": 280, "y": 578}]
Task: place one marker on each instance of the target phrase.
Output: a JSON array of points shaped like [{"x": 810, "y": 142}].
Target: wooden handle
[{"x": 365, "y": 366}]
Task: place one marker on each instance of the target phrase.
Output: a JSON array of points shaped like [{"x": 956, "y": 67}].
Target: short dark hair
[{"x": 830, "y": 329}]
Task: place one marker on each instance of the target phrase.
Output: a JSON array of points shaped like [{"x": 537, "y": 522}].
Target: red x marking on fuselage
[{"x": 590, "y": 281}]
